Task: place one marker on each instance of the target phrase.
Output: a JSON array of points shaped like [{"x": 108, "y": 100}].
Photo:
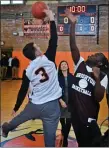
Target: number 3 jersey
[{"x": 43, "y": 78}]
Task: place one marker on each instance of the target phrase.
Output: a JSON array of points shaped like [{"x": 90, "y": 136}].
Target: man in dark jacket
[
  {"x": 4, "y": 66},
  {"x": 15, "y": 67}
]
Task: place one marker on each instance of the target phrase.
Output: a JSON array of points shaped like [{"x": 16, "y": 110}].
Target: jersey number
[{"x": 43, "y": 74}]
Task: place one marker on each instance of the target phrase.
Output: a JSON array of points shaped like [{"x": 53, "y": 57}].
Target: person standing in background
[
  {"x": 4, "y": 66},
  {"x": 15, "y": 67},
  {"x": 9, "y": 67},
  {"x": 65, "y": 78}
]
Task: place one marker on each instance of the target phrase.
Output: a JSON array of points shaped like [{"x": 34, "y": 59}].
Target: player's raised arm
[
  {"x": 73, "y": 46},
  {"x": 51, "y": 50}
]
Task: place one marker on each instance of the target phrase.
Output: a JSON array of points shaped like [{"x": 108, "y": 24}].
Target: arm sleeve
[
  {"x": 78, "y": 63},
  {"x": 51, "y": 50},
  {"x": 22, "y": 92}
]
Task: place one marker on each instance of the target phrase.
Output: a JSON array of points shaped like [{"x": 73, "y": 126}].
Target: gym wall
[{"x": 86, "y": 44}]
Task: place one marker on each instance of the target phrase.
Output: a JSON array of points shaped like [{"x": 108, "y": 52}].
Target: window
[
  {"x": 17, "y": 2},
  {"x": 13, "y": 2},
  {"x": 67, "y": 1},
  {"x": 7, "y": 2}
]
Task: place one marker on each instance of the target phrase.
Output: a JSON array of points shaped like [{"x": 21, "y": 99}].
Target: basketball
[{"x": 37, "y": 10}]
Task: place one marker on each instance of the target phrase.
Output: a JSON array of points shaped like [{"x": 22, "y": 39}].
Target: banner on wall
[{"x": 36, "y": 28}]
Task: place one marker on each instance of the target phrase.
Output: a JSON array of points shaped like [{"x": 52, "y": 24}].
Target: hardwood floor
[{"x": 9, "y": 90}]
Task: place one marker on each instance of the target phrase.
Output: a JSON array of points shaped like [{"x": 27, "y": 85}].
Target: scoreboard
[{"x": 86, "y": 22}]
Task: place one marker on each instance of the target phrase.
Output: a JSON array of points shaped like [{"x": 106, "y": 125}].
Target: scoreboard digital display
[{"x": 86, "y": 22}]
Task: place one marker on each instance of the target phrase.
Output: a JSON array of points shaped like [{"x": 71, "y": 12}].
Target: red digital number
[
  {"x": 83, "y": 9},
  {"x": 43, "y": 74},
  {"x": 78, "y": 9},
  {"x": 72, "y": 9},
  {"x": 61, "y": 28}
]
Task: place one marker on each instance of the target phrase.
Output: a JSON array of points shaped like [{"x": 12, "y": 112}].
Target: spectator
[
  {"x": 65, "y": 79},
  {"x": 15, "y": 67},
  {"x": 4, "y": 66},
  {"x": 9, "y": 72}
]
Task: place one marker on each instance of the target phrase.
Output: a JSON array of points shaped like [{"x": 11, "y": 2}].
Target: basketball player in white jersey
[{"x": 42, "y": 75}]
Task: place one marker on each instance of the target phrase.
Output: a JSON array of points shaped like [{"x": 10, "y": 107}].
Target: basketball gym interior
[{"x": 15, "y": 19}]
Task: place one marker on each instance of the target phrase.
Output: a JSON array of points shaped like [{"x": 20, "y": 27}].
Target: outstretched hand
[
  {"x": 49, "y": 14},
  {"x": 72, "y": 18}
]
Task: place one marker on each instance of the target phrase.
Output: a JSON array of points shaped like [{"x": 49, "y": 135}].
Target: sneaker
[{"x": 4, "y": 130}]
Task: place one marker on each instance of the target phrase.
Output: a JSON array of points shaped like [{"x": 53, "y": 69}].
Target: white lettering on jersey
[
  {"x": 79, "y": 89},
  {"x": 87, "y": 78}
]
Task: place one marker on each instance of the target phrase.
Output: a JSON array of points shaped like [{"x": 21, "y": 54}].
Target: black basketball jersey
[{"x": 83, "y": 103}]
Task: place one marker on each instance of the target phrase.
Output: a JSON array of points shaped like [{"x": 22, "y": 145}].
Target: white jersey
[
  {"x": 29, "y": 91},
  {"x": 44, "y": 80},
  {"x": 10, "y": 62}
]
